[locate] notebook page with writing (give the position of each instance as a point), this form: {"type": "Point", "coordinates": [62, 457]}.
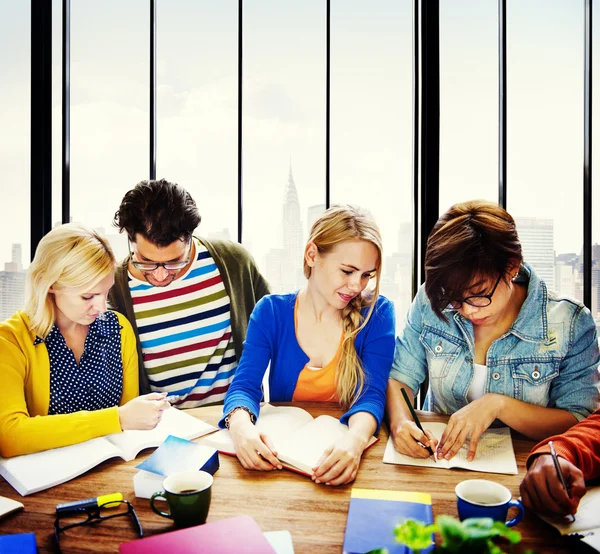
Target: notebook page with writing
{"type": "Point", "coordinates": [495, 453]}
{"type": "Point", "coordinates": [587, 518]}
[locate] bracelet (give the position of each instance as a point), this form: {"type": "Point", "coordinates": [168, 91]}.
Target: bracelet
{"type": "Point", "coordinates": [247, 410]}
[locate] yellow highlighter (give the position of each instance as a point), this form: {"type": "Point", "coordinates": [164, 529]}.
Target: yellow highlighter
{"type": "Point", "coordinates": [105, 501]}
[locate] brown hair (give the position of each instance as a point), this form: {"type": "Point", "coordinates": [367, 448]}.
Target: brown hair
{"type": "Point", "coordinates": [338, 224]}
{"type": "Point", "coordinates": [161, 211]}
{"type": "Point", "coordinates": [472, 240]}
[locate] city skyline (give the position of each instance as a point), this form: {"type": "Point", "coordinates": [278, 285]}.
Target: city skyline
{"type": "Point", "coordinates": [282, 262]}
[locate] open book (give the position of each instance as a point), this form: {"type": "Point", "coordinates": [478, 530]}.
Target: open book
{"type": "Point", "coordinates": [25, 475]}
{"type": "Point", "coordinates": [299, 439]}
{"type": "Point", "coordinates": [587, 522]}
{"type": "Point", "coordinates": [495, 453]}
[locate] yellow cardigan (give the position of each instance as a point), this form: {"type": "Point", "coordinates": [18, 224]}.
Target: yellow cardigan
{"type": "Point", "coordinates": [25, 425]}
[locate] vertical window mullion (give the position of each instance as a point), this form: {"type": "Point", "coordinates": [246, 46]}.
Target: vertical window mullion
{"type": "Point", "coordinates": [587, 158]}
{"type": "Point", "coordinates": [502, 103]}
{"type": "Point", "coordinates": [152, 86]}
{"type": "Point", "coordinates": [41, 120]}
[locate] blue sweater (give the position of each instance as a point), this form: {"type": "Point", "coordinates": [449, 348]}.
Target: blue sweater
{"type": "Point", "coordinates": [271, 338]}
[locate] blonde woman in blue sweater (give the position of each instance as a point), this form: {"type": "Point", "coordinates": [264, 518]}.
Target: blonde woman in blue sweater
{"type": "Point", "coordinates": [331, 341]}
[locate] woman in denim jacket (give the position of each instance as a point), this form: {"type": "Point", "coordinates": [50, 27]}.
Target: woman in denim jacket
{"type": "Point", "coordinates": [491, 338]}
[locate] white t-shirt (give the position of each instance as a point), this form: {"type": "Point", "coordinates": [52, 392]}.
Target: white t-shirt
{"type": "Point", "coordinates": [477, 388]}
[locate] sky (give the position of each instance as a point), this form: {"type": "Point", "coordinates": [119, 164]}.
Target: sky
{"type": "Point", "coordinates": [284, 110]}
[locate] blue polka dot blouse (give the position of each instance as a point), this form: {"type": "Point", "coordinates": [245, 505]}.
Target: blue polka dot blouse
{"type": "Point", "coordinates": [97, 381]}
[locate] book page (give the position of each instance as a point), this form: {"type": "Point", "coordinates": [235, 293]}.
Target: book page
{"type": "Point", "coordinates": [392, 456]}
{"type": "Point", "coordinates": [495, 453]}
{"type": "Point", "coordinates": [8, 506]}
{"type": "Point", "coordinates": [174, 422]}
{"type": "Point", "coordinates": [303, 448]}
{"type": "Point", "coordinates": [276, 421]}
{"type": "Point", "coordinates": [586, 518]}
{"type": "Point", "coordinates": [35, 472]}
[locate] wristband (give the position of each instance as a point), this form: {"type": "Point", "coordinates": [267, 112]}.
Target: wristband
{"type": "Point", "coordinates": [247, 410]}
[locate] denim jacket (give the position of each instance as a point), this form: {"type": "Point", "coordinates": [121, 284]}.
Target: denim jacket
{"type": "Point", "coordinates": [548, 357]}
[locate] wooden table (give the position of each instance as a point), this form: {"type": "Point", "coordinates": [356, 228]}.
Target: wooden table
{"type": "Point", "coordinates": [314, 514]}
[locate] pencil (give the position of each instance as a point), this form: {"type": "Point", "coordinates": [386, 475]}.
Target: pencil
{"type": "Point", "coordinates": [416, 419]}
{"type": "Point", "coordinates": [559, 472]}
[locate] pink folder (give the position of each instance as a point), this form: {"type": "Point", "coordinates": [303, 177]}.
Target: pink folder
{"type": "Point", "coordinates": [234, 535]}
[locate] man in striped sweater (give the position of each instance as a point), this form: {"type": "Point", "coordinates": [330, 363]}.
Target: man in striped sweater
{"type": "Point", "coordinates": [189, 299]}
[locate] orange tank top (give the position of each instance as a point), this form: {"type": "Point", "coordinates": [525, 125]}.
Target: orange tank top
{"type": "Point", "coordinates": [317, 384]}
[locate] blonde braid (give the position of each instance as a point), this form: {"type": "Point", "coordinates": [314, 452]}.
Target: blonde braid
{"type": "Point", "coordinates": [350, 379]}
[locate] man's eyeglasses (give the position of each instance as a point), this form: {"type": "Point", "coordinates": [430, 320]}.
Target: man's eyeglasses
{"type": "Point", "coordinates": [84, 516]}
{"type": "Point", "coordinates": [477, 300]}
{"type": "Point", "coordinates": [151, 266]}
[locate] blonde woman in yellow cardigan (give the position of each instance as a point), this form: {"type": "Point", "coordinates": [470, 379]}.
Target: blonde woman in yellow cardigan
{"type": "Point", "coordinates": [68, 367]}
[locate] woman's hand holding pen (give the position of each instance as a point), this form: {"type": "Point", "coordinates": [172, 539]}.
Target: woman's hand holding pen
{"type": "Point", "coordinates": [411, 441]}
{"type": "Point", "coordinates": [470, 421]}
{"type": "Point", "coordinates": [143, 412]}
{"type": "Point", "coordinates": [253, 448]}
{"type": "Point", "coordinates": [542, 491]}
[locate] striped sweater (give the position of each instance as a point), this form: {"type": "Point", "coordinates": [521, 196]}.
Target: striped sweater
{"type": "Point", "coordinates": [243, 283]}
{"type": "Point", "coordinates": [185, 333]}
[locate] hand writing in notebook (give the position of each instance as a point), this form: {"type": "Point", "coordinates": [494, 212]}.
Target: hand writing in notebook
{"type": "Point", "coordinates": [542, 491]}
{"type": "Point", "coordinates": [254, 449]}
{"type": "Point", "coordinates": [468, 422]}
{"type": "Point", "coordinates": [411, 441]}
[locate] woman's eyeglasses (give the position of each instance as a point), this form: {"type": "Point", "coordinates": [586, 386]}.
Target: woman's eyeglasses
{"type": "Point", "coordinates": [85, 516]}
{"type": "Point", "coordinates": [477, 300]}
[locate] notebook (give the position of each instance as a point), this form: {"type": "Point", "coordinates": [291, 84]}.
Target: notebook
{"type": "Point", "coordinates": [587, 519]}
{"type": "Point", "coordinates": [374, 514]}
{"type": "Point", "coordinates": [495, 453]}
{"type": "Point", "coordinates": [62, 464]}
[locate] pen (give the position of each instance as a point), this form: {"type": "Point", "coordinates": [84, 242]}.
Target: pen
{"type": "Point", "coordinates": [173, 398]}
{"type": "Point", "coordinates": [417, 422]}
{"type": "Point", "coordinates": [78, 505]}
{"type": "Point", "coordinates": [559, 472]}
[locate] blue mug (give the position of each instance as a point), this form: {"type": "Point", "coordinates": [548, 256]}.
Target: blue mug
{"type": "Point", "coordinates": [483, 498]}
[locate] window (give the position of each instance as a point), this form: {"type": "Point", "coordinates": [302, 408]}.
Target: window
{"type": "Point", "coordinates": [15, 104]}
{"type": "Point", "coordinates": [372, 128]}
{"type": "Point", "coordinates": [283, 133]}
{"type": "Point", "coordinates": [197, 84]}
{"type": "Point", "coordinates": [545, 137]}
{"type": "Point", "coordinates": [468, 101]}
{"type": "Point", "coordinates": [109, 108]}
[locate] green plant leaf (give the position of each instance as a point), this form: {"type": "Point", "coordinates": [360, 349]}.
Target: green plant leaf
{"type": "Point", "coordinates": [452, 532]}
{"type": "Point", "coordinates": [415, 534]}
{"type": "Point", "coordinates": [514, 537]}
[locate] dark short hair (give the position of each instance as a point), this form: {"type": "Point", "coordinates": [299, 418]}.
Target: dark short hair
{"type": "Point", "coordinates": [161, 211]}
{"type": "Point", "coordinates": [472, 240]}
